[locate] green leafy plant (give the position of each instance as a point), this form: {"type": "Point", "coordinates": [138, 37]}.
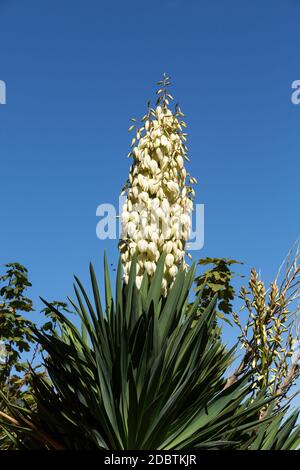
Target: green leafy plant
{"type": "Point", "coordinates": [15, 329]}
{"type": "Point", "coordinates": [217, 280]}
{"type": "Point", "coordinates": [140, 374]}
{"type": "Point", "coordinates": [16, 340]}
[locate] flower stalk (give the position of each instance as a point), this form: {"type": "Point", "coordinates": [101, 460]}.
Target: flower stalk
{"type": "Point", "coordinates": [156, 217]}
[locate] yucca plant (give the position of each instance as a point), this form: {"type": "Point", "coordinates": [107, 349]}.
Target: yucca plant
{"type": "Point", "coordinates": [148, 370]}
{"type": "Point", "coordinates": [139, 374]}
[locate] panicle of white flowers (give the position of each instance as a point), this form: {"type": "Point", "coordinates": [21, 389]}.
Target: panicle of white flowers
{"type": "Point", "coordinates": [156, 217]}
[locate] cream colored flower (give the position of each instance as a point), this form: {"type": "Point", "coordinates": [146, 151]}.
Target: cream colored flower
{"type": "Point", "coordinates": [142, 246]}
{"type": "Point", "coordinates": [169, 260]}
{"type": "Point", "coordinates": [138, 281]}
{"type": "Point", "coordinates": [173, 270]}
{"type": "Point", "coordinates": [168, 247]}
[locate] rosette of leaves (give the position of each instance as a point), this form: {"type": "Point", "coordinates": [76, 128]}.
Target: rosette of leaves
{"type": "Point", "coordinates": [140, 373]}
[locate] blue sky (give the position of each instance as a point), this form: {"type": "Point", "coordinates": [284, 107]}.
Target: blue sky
{"type": "Point", "coordinates": [76, 71]}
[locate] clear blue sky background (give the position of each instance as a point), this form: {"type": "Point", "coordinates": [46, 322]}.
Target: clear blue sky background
{"type": "Point", "coordinates": [76, 71]}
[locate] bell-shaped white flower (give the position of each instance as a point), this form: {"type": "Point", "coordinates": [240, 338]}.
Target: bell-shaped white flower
{"type": "Point", "coordinates": [142, 246]}
{"type": "Point", "coordinates": [169, 260]}
{"type": "Point", "coordinates": [173, 270]}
